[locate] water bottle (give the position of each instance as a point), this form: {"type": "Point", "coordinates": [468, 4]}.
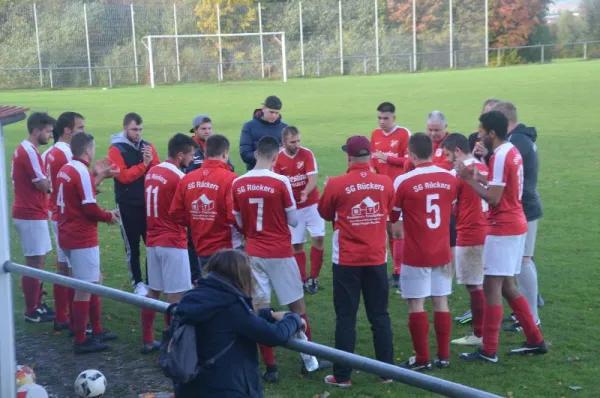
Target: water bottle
{"type": "Point", "coordinates": [310, 362]}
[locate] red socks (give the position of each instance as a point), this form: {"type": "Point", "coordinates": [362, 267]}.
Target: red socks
{"type": "Point", "coordinates": [520, 307]}
{"type": "Point", "coordinates": [477, 309]}
{"type": "Point", "coordinates": [491, 328]}
{"type": "Point", "coordinates": [148, 325]}
{"type": "Point", "coordinates": [307, 331]}
{"type": "Point", "coordinates": [81, 311]}
{"type": "Point", "coordinates": [418, 324]}
{"type": "Point", "coordinates": [267, 354]}
{"type": "Point", "coordinates": [95, 311]}
{"type": "Point", "coordinates": [31, 291]}
{"type": "Point", "coordinates": [71, 296]}
{"type": "Point", "coordinates": [301, 261]}
{"type": "Point", "coordinates": [316, 262]}
{"type": "Point", "coordinates": [61, 303]}
{"type": "Point", "coordinates": [443, 326]}
{"type": "Point", "coordinates": [397, 252]}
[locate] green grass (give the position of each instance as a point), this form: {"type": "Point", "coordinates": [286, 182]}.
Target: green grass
{"type": "Point", "coordinates": [561, 100]}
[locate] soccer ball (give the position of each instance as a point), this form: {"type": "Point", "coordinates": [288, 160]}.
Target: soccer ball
{"type": "Point", "coordinates": [24, 375]}
{"type": "Point", "coordinates": [32, 391]}
{"type": "Point", "coordinates": [90, 383]}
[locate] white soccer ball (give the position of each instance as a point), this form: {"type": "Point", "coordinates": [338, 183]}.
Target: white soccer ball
{"type": "Point", "coordinates": [32, 391]}
{"type": "Point", "coordinates": [90, 383]}
{"type": "Point", "coordinates": [24, 375]}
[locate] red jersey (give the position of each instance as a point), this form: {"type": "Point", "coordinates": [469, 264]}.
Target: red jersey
{"type": "Point", "coordinates": [471, 223]}
{"type": "Point", "coordinates": [54, 159]}
{"type": "Point", "coordinates": [263, 198]}
{"type": "Point", "coordinates": [506, 170]}
{"type": "Point", "coordinates": [358, 203]}
{"type": "Point", "coordinates": [203, 201]}
{"type": "Point", "coordinates": [297, 168]}
{"type": "Point", "coordinates": [78, 213]}
{"type": "Point", "coordinates": [395, 146]}
{"type": "Point", "coordinates": [437, 157]}
{"type": "Point", "coordinates": [27, 168]}
{"type": "Point", "coordinates": [425, 196]}
{"type": "Point", "coordinates": [160, 185]}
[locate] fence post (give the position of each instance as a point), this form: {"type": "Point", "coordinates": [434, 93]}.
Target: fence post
{"type": "Point", "coordinates": [376, 37]}
{"type": "Point", "coordinates": [176, 43]}
{"type": "Point", "coordinates": [414, 32]}
{"type": "Point", "coordinates": [318, 67]}
{"type": "Point", "coordinates": [151, 62]}
{"type": "Point", "coordinates": [51, 78]}
{"type": "Point", "coordinates": [301, 38]}
{"type": "Point", "coordinates": [110, 77]}
{"type": "Point", "coordinates": [165, 72]}
{"type": "Point", "coordinates": [87, 43]}
{"type": "Point", "coordinates": [37, 40]}
{"type": "Point", "coordinates": [487, 37]}
{"type": "Point", "coordinates": [341, 39]}
{"type": "Point", "coordinates": [542, 46]}
{"type": "Point", "coordinates": [451, 32]}
{"type": "Point", "coordinates": [262, 49]}
{"type": "Point", "coordinates": [365, 65]}
{"type": "Point", "coordinates": [283, 58]}
{"type": "Point", "coordinates": [585, 50]}
{"type": "Point", "coordinates": [498, 57]}
{"type": "Point", "coordinates": [135, 59]}
{"type": "Point", "coordinates": [220, 47]}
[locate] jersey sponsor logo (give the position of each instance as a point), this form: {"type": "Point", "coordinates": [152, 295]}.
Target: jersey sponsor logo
{"type": "Point", "coordinates": [299, 180]}
{"type": "Point", "coordinates": [300, 164]}
{"type": "Point", "coordinates": [367, 212]}
{"type": "Point", "coordinates": [394, 143]}
{"type": "Point", "coordinates": [203, 209]}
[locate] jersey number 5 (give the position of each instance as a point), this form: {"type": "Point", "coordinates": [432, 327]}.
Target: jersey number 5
{"type": "Point", "coordinates": [152, 201]}
{"type": "Point", "coordinates": [433, 210]}
{"type": "Point", "coordinates": [259, 214]}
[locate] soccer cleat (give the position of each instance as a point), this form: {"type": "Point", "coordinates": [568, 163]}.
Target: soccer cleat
{"type": "Point", "coordinates": [469, 339]}
{"type": "Point", "coordinates": [479, 355]}
{"type": "Point", "coordinates": [516, 327]}
{"type": "Point", "coordinates": [412, 364]}
{"type": "Point", "coordinates": [383, 380]}
{"type": "Point", "coordinates": [59, 327]}
{"type": "Point", "coordinates": [394, 280]}
{"type": "Point", "coordinates": [309, 286]}
{"type": "Point", "coordinates": [39, 316]}
{"type": "Point", "coordinates": [47, 310]}
{"type": "Point", "coordinates": [148, 348]}
{"type": "Point", "coordinates": [535, 349]}
{"type": "Point", "coordinates": [465, 318]}
{"type": "Point", "coordinates": [140, 289]}
{"type": "Point", "coordinates": [90, 346]}
{"type": "Point", "coordinates": [88, 331]}
{"type": "Point", "coordinates": [540, 301]}
{"type": "Point", "coordinates": [441, 363]}
{"type": "Point", "coordinates": [511, 318]}
{"type": "Point", "coordinates": [271, 375]}
{"type": "Point", "coordinates": [330, 379]}
{"type": "Point", "coordinates": [322, 365]}
{"type": "Point", "coordinates": [105, 335]}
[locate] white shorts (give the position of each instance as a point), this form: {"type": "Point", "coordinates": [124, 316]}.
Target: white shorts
{"type": "Point", "coordinates": [421, 282]}
{"type": "Point", "coordinates": [85, 263]}
{"type": "Point", "coordinates": [34, 237]}
{"type": "Point", "coordinates": [60, 254]}
{"type": "Point", "coordinates": [168, 269]}
{"type": "Point", "coordinates": [281, 274]}
{"type": "Point", "coordinates": [308, 218]}
{"type": "Point", "coordinates": [532, 227]}
{"type": "Point", "coordinates": [469, 264]}
{"type": "Point", "coordinates": [502, 255]}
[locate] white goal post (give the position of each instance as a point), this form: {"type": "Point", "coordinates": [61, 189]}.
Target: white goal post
{"type": "Point", "coordinates": [147, 41]}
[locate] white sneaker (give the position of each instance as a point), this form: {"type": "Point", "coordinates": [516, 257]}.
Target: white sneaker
{"type": "Point", "coordinates": [141, 289]}
{"type": "Point", "coordinates": [469, 339]}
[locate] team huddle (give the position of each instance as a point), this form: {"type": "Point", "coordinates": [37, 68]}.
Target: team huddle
{"type": "Point", "coordinates": [444, 203]}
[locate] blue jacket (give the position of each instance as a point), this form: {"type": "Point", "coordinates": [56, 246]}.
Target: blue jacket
{"type": "Point", "coordinates": [252, 131]}
{"type": "Point", "coordinates": [221, 315]}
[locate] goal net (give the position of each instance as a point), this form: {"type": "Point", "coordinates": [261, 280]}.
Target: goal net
{"type": "Point", "coordinates": [215, 57]}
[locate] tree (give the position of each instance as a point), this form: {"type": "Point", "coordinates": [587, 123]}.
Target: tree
{"type": "Point", "coordinates": [513, 22]}
{"type": "Point", "coordinates": [569, 28]}
{"type": "Point", "coordinates": [591, 15]}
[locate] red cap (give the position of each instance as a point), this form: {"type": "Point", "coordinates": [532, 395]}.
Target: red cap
{"type": "Point", "coordinates": [357, 146]}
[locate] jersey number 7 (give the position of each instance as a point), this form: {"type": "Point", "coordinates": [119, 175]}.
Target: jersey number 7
{"type": "Point", "coordinates": [259, 214]}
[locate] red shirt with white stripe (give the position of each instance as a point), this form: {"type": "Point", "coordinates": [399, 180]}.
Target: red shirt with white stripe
{"type": "Point", "coordinates": [54, 159]}
{"type": "Point", "coordinates": [203, 201]}
{"type": "Point", "coordinates": [358, 203]}
{"type": "Point", "coordinates": [263, 198]}
{"type": "Point", "coordinates": [27, 168]}
{"type": "Point", "coordinates": [471, 210]}
{"type": "Point", "coordinates": [425, 196]}
{"type": "Point", "coordinates": [160, 185]}
{"type": "Point", "coordinates": [438, 157]}
{"type": "Point", "coordinates": [506, 170]}
{"type": "Point", "coordinates": [395, 146]}
{"type": "Point", "coordinates": [78, 212]}
{"type": "Point", "coordinates": [297, 168]}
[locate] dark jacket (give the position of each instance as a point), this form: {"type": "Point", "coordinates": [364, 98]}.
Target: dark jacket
{"type": "Point", "coordinates": [473, 139]}
{"type": "Point", "coordinates": [221, 315]}
{"type": "Point", "coordinates": [523, 138]}
{"type": "Point", "coordinates": [199, 158]}
{"type": "Point", "coordinates": [252, 131]}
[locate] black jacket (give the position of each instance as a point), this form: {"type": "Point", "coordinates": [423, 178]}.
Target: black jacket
{"type": "Point", "coordinates": [221, 315]}
{"type": "Point", "coordinates": [252, 131]}
{"type": "Point", "coordinates": [523, 138]}
{"type": "Point", "coordinates": [199, 159]}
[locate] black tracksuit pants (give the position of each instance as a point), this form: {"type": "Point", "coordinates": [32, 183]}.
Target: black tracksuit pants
{"type": "Point", "coordinates": [133, 229]}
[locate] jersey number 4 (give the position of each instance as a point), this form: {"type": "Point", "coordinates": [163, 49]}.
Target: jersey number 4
{"type": "Point", "coordinates": [60, 200]}
{"type": "Point", "coordinates": [259, 214]}
{"type": "Point", "coordinates": [152, 201]}
{"type": "Point", "coordinates": [433, 211]}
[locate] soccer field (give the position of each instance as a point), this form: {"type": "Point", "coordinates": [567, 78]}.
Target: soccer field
{"type": "Point", "coordinates": [561, 100]}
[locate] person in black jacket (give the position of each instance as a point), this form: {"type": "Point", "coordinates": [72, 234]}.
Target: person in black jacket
{"type": "Point", "coordinates": [220, 308]}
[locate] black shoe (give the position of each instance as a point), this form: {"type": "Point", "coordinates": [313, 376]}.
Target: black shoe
{"type": "Point", "coordinates": [105, 335]}
{"type": "Point", "coordinates": [271, 375]}
{"type": "Point", "coordinates": [322, 366]}
{"type": "Point", "coordinates": [540, 301]}
{"type": "Point", "coordinates": [311, 287]}
{"type": "Point", "coordinates": [479, 355]}
{"type": "Point", "coordinates": [148, 348]}
{"type": "Point", "coordinates": [441, 363]}
{"type": "Point", "coordinates": [88, 331]}
{"type": "Point", "coordinates": [516, 327]}
{"type": "Point", "coordinates": [39, 316]}
{"type": "Point", "coordinates": [535, 349]}
{"type": "Point", "coordinates": [59, 327]}
{"type": "Point", "coordinates": [412, 364]}
{"type": "Point", "coordinates": [46, 310]}
{"type": "Point", "coordinates": [90, 346]}
{"type": "Point", "coordinates": [511, 318]}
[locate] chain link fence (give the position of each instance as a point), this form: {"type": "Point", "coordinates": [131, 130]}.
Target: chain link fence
{"type": "Point", "coordinates": [71, 44]}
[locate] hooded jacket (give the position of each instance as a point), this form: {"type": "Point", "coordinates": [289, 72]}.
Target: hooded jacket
{"type": "Point", "coordinates": [253, 130]}
{"type": "Point", "coordinates": [222, 314]}
{"type": "Point", "coordinates": [523, 138]}
{"type": "Point", "coordinates": [199, 157]}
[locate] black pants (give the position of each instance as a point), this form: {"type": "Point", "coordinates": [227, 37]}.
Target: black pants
{"type": "Point", "coordinates": [133, 227]}
{"type": "Point", "coordinates": [348, 282]}
{"type": "Point", "coordinates": [194, 264]}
